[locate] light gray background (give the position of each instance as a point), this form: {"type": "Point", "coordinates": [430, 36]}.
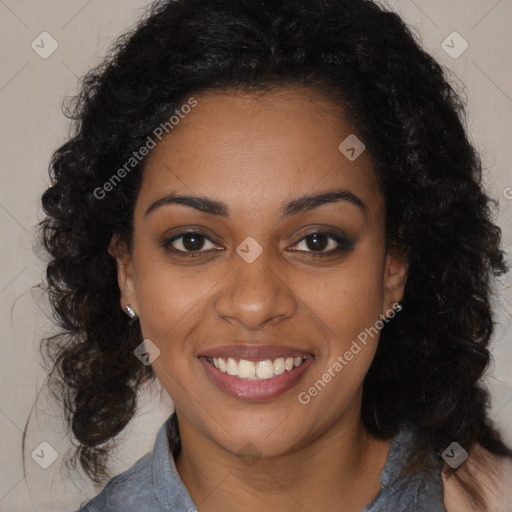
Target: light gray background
{"type": "Point", "coordinates": [32, 127]}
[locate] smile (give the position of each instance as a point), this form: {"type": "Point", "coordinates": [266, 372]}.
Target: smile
{"type": "Point", "coordinates": [255, 373]}
{"type": "Point", "coordinates": [259, 370]}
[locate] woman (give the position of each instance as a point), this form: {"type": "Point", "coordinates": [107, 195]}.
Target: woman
{"type": "Point", "coordinates": [275, 209]}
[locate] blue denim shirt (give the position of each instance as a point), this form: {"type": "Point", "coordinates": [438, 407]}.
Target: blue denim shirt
{"type": "Point", "coordinates": [152, 484]}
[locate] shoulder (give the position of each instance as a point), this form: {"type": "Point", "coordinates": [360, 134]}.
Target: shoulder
{"type": "Point", "coordinates": [494, 476]}
{"type": "Point", "coordinates": [131, 487]}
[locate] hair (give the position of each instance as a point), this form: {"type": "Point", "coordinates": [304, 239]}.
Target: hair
{"type": "Point", "coordinates": [430, 359]}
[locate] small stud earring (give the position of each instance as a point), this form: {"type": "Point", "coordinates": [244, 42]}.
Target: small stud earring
{"type": "Point", "coordinates": [130, 312]}
{"type": "Point", "coordinates": [397, 306]}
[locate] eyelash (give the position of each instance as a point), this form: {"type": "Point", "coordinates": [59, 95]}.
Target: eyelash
{"type": "Point", "coordinates": [343, 244]}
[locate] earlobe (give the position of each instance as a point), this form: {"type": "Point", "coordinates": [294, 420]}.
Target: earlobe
{"type": "Point", "coordinates": [120, 251]}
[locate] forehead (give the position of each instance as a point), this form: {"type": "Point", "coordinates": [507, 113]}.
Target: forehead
{"type": "Point", "coordinates": [257, 150]}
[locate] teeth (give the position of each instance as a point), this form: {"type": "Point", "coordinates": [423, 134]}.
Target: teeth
{"type": "Point", "coordinates": [260, 370]}
{"type": "Point", "coordinates": [279, 366]}
{"type": "Point", "coordinates": [246, 369]}
{"type": "Point", "coordinates": [232, 367]}
{"type": "Point", "coordinates": [223, 367]}
{"type": "Point", "coordinates": [265, 369]}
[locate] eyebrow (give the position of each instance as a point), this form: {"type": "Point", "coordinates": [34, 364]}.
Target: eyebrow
{"type": "Point", "coordinates": [293, 207]}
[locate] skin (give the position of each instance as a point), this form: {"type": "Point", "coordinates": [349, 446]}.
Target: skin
{"type": "Point", "coordinates": [253, 154]}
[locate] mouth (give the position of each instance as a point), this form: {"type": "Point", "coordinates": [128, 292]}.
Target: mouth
{"type": "Point", "coordinates": [255, 373]}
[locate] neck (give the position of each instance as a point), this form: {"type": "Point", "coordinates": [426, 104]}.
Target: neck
{"type": "Point", "coordinates": [341, 466]}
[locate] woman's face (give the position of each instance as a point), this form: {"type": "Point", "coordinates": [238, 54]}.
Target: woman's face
{"type": "Point", "coordinates": [267, 276]}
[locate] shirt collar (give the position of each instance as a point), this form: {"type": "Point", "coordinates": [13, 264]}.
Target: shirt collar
{"type": "Point", "coordinates": [169, 489]}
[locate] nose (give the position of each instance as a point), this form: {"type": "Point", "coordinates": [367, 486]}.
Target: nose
{"type": "Point", "coordinates": [254, 294]}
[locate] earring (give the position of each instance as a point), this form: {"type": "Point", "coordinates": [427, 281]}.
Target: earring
{"type": "Point", "coordinates": [397, 306]}
{"type": "Point", "coordinates": [130, 312]}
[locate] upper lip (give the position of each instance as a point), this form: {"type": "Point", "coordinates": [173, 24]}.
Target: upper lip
{"type": "Point", "coordinates": [253, 352]}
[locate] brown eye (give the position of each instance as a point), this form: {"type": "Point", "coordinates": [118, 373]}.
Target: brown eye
{"type": "Point", "coordinates": [317, 243]}
{"type": "Point", "coordinates": [188, 242]}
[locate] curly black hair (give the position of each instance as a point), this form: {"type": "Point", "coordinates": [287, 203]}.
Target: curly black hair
{"type": "Point", "coordinates": [430, 359]}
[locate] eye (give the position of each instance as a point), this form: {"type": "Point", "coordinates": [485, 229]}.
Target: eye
{"type": "Point", "coordinates": [188, 242]}
{"type": "Point", "coordinates": [319, 241]}
{"type": "Point", "coordinates": [316, 244]}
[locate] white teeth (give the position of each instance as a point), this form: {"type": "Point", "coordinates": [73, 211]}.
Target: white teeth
{"type": "Point", "coordinates": [265, 369]}
{"type": "Point", "coordinates": [260, 370]}
{"type": "Point", "coordinates": [232, 367]}
{"type": "Point", "coordinates": [223, 367]}
{"type": "Point", "coordinates": [246, 369]}
{"type": "Point", "coordinates": [279, 366]}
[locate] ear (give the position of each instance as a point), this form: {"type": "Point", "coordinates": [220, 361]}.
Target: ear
{"type": "Point", "coordinates": [395, 278]}
{"type": "Point", "coordinates": [120, 251]}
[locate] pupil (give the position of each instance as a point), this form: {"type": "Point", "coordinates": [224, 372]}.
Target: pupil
{"type": "Point", "coordinates": [194, 245]}
{"type": "Point", "coordinates": [317, 245]}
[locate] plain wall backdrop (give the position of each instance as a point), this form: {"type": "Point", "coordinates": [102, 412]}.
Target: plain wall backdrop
{"type": "Point", "coordinates": [33, 84]}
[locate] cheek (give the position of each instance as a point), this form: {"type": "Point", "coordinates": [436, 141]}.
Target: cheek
{"type": "Point", "coordinates": [347, 306]}
{"type": "Point", "coordinates": [351, 311]}
{"type": "Point", "coordinates": [166, 294]}
{"type": "Point", "coordinates": [347, 300]}
{"type": "Point", "coordinates": [171, 304]}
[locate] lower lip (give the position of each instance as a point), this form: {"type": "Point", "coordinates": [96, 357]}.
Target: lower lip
{"type": "Point", "coordinates": [255, 390]}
